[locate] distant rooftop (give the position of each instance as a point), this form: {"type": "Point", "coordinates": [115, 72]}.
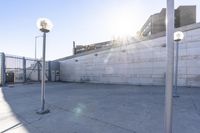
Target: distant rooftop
{"type": "Point", "coordinates": [184, 15]}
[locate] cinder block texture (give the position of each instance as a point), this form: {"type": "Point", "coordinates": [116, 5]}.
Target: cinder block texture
{"type": "Point", "coordinates": [138, 63]}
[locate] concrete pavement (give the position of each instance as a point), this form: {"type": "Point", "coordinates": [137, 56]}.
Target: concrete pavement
{"type": "Point", "coordinates": [96, 108]}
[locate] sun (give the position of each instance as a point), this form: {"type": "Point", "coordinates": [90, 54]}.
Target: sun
{"type": "Point", "coordinates": [123, 24]}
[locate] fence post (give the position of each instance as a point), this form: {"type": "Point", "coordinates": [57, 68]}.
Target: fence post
{"type": "Point", "coordinates": [24, 69]}
{"type": "Point", "coordinates": [3, 71]}
{"type": "Point", "coordinates": [49, 71]}
{"type": "Point", "coordinates": [38, 67]}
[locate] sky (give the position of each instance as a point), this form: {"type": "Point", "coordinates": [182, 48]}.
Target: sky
{"type": "Point", "coordinates": [82, 21]}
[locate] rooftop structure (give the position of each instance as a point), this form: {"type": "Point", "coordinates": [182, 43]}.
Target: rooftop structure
{"type": "Point", "coordinates": [83, 48]}
{"type": "Point", "coordinates": [184, 15]}
{"type": "Point", "coordinates": [77, 49]}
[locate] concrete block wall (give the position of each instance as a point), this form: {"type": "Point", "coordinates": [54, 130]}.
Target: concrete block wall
{"type": "Point", "coordinates": [138, 63]}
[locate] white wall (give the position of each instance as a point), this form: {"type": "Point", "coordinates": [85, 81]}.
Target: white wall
{"type": "Point", "coordinates": [141, 63]}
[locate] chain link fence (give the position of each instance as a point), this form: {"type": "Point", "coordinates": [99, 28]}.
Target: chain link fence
{"type": "Point", "coordinates": [16, 69]}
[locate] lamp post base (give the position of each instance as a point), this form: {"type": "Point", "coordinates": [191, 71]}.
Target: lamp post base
{"type": "Point", "coordinates": [42, 112]}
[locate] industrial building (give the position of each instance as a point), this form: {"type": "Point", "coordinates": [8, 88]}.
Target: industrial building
{"type": "Point", "coordinates": [83, 48]}
{"type": "Point", "coordinates": [184, 15]}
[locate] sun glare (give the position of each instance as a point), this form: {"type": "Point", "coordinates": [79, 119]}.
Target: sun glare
{"type": "Point", "coordinates": [123, 25]}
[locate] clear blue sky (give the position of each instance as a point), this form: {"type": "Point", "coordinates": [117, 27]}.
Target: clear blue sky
{"type": "Point", "coordinates": [83, 21]}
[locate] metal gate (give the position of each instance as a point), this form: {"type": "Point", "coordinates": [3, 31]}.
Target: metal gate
{"type": "Point", "coordinates": [16, 69]}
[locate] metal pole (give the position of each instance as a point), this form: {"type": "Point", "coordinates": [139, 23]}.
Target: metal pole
{"type": "Point", "coordinates": [35, 47]}
{"type": "Point", "coordinates": [170, 66]}
{"type": "Point", "coordinates": [43, 110]}
{"type": "Point", "coordinates": [3, 69]}
{"type": "Point", "coordinates": [24, 69]}
{"type": "Point", "coordinates": [176, 71]}
{"type": "Point", "coordinates": [43, 72]}
{"type": "Point", "coordinates": [38, 68]}
{"type": "Point", "coordinates": [74, 48]}
{"type": "Point", "coordinates": [1, 77]}
{"type": "Point", "coordinates": [49, 71]}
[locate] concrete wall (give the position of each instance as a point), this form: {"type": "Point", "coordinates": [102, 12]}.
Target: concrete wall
{"type": "Point", "coordinates": [185, 15]}
{"type": "Point", "coordinates": [138, 63]}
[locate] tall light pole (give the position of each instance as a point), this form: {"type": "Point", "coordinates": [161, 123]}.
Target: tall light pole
{"type": "Point", "coordinates": [170, 66]}
{"type": "Point", "coordinates": [44, 25]}
{"type": "Point", "coordinates": [178, 36]}
{"type": "Point", "coordinates": [36, 37]}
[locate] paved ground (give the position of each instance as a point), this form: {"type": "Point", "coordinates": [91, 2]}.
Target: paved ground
{"type": "Point", "coordinates": [96, 108]}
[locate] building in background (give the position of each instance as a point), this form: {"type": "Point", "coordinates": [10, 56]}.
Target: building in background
{"type": "Point", "coordinates": [184, 15]}
{"type": "Point", "coordinates": [83, 48]}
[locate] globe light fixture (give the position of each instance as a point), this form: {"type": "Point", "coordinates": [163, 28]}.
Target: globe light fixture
{"type": "Point", "coordinates": [178, 36]}
{"type": "Point", "coordinates": [45, 26]}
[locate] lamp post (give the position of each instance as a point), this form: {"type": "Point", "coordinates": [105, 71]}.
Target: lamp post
{"type": "Point", "coordinates": [170, 66]}
{"type": "Point", "coordinates": [44, 25]}
{"type": "Point", "coordinates": [36, 37]}
{"type": "Point", "coordinates": [178, 36]}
